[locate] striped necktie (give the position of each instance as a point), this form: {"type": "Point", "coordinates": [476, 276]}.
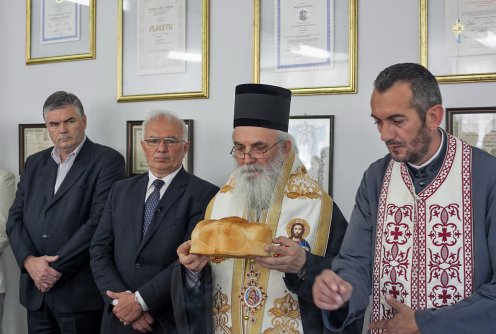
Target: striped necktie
{"type": "Point", "coordinates": [151, 204]}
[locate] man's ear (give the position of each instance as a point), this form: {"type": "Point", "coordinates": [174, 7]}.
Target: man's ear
{"type": "Point", "coordinates": [434, 116]}
{"type": "Point", "coordinates": [287, 146]}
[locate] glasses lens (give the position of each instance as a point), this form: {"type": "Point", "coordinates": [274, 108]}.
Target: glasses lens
{"type": "Point", "coordinates": [153, 141]}
{"type": "Point", "coordinates": [170, 142]}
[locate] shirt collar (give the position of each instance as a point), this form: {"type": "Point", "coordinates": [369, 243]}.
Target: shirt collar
{"type": "Point", "coordinates": [167, 179]}
{"type": "Point", "coordinates": [73, 154]}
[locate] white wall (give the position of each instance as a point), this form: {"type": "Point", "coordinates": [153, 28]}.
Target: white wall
{"type": "Point", "coordinates": [388, 33]}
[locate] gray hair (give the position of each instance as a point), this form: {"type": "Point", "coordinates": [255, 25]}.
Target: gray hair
{"type": "Point", "coordinates": [285, 136]}
{"type": "Point", "coordinates": [62, 99]}
{"type": "Point", "coordinates": [168, 116]}
{"type": "Point", "coordinates": [282, 137]}
{"type": "Point", "coordinates": [424, 86]}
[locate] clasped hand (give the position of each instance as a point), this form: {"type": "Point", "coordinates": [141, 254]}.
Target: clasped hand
{"type": "Point", "coordinates": [41, 273]}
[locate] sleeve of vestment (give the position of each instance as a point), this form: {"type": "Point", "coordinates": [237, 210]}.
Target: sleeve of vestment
{"type": "Point", "coordinates": [353, 263]}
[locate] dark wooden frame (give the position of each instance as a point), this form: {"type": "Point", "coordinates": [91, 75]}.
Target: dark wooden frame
{"type": "Point", "coordinates": [23, 128]}
{"type": "Point", "coordinates": [451, 113]}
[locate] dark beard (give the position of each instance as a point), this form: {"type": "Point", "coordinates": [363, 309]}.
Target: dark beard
{"type": "Point", "coordinates": [424, 140]}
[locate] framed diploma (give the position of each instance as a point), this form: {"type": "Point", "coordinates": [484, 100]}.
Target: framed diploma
{"type": "Point", "coordinates": [33, 138]}
{"type": "Point", "coordinates": [477, 126]}
{"type": "Point", "coordinates": [162, 50]}
{"type": "Point", "coordinates": [60, 30]}
{"type": "Point", "coordinates": [314, 137]}
{"type": "Point", "coordinates": [458, 39]}
{"type": "Point", "coordinates": [308, 46]}
{"type": "Point", "coordinates": [135, 156]}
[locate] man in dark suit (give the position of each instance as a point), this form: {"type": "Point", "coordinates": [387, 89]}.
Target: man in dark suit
{"type": "Point", "coordinates": [134, 247]}
{"type": "Point", "coordinates": [58, 204]}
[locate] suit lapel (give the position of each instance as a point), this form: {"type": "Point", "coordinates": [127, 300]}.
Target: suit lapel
{"type": "Point", "coordinates": [171, 196]}
{"type": "Point", "coordinates": [48, 176]}
{"type": "Point", "coordinates": [137, 215]}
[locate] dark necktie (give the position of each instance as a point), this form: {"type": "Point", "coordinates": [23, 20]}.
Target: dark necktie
{"type": "Point", "coordinates": [151, 204]}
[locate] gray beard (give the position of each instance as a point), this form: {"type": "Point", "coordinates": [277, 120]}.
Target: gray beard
{"type": "Point", "coordinates": [255, 184]}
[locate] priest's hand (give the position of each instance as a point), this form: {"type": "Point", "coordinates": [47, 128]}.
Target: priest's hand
{"type": "Point", "coordinates": [330, 291]}
{"type": "Point", "coordinates": [402, 322]}
{"type": "Point", "coordinates": [193, 262]}
{"type": "Point", "coordinates": [126, 309]}
{"type": "Point", "coordinates": [144, 323]}
{"type": "Point", "coordinates": [288, 256]}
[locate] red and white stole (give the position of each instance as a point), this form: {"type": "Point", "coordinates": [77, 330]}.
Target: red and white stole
{"type": "Point", "coordinates": [423, 253]}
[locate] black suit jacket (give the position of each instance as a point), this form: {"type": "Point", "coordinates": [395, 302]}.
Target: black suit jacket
{"type": "Point", "coordinates": [122, 260]}
{"type": "Point", "coordinates": [41, 223]}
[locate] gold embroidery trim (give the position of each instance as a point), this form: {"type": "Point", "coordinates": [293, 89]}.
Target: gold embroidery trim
{"type": "Point", "coordinates": [285, 315]}
{"type": "Point", "coordinates": [220, 312]}
{"type": "Point", "coordinates": [301, 185]}
{"type": "Point", "coordinates": [324, 227]}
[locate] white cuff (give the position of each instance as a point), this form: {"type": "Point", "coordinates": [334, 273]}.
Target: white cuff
{"type": "Point", "coordinates": [140, 301]}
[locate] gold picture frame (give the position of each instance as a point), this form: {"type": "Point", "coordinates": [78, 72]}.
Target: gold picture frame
{"type": "Point", "coordinates": [450, 46]}
{"type": "Point", "coordinates": [135, 157]}
{"type": "Point", "coordinates": [58, 30]}
{"type": "Point", "coordinates": [157, 65]}
{"type": "Point", "coordinates": [33, 138]}
{"type": "Point", "coordinates": [477, 126]}
{"type": "Point", "coordinates": [329, 67]}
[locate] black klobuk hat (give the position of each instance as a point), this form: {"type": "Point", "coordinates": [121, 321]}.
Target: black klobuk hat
{"type": "Point", "coordinates": [263, 106]}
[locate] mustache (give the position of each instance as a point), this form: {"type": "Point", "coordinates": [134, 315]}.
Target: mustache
{"type": "Point", "coordinates": [394, 143]}
{"type": "Point", "coordinates": [251, 168]}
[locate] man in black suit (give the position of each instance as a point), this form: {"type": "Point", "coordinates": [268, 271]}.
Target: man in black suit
{"type": "Point", "coordinates": [134, 247]}
{"type": "Point", "coordinates": [58, 204]}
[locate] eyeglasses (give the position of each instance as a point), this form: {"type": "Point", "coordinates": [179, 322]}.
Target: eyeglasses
{"type": "Point", "coordinates": [168, 142]}
{"type": "Point", "coordinates": [255, 153]}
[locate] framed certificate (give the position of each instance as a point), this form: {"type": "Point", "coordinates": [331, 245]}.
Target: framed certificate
{"type": "Point", "coordinates": [457, 39]}
{"type": "Point", "coordinates": [477, 126]}
{"type": "Point", "coordinates": [60, 30]}
{"type": "Point", "coordinates": [308, 46]}
{"type": "Point", "coordinates": [135, 156]}
{"type": "Point", "coordinates": [33, 138]}
{"type": "Point", "coordinates": [162, 50]}
{"type": "Point", "coordinates": [314, 137]}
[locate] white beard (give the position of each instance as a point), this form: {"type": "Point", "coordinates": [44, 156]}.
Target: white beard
{"type": "Point", "coordinates": [255, 184]}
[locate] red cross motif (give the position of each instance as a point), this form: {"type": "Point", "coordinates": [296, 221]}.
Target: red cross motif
{"type": "Point", "coordinates": [395, 293]}
{"type": "Point", "coordinates": [444, 234]}
{"type": "Point", "coordinates": [396, 233]}
{"type": "Point", "coordinates": [444, 296]}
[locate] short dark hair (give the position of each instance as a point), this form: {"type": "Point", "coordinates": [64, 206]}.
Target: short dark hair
{"type": "Point", "coordinates": [61, 99]}
{"type": "Point", "coordinates": [424, 86]}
